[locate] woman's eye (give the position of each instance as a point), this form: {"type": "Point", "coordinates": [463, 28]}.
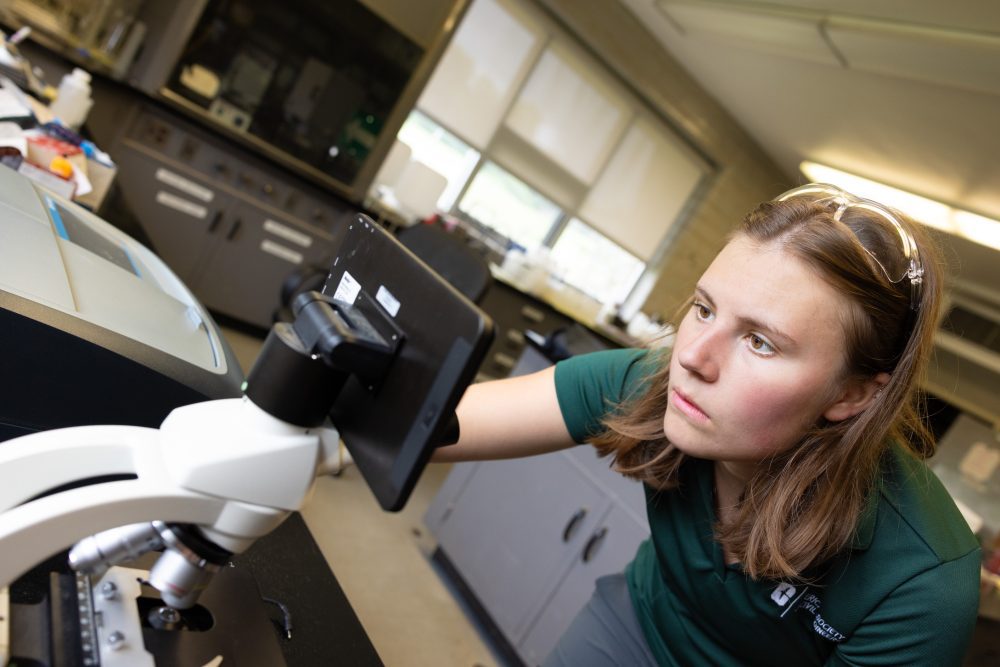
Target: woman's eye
{"type": "Point", "coordinates": [759, 345]}
{"type": "Point", "coordinates": [702, 311]}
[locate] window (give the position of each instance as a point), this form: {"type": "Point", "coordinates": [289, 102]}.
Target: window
{"type": "Point", "coordinates": [597, 266]}
{"type": "Point", "coordinates": [643, 188]}
{"type": "Point", "coordinates": [531, 131]}
{"type": "Point", "coordinates": [481, 70]}
{"type": "Point", "coordinates": [442, 151]}
{"type": "Point", "coordinates": [569, 112]}
{"type": "Point", "coordinates": [499, 200]}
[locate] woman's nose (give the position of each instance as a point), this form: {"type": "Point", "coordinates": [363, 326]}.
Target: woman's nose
{"type": "Point", "coordinates": [699, 356]}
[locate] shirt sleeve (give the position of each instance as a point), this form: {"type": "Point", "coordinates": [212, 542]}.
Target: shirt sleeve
{"type": "Point", "coordinates": [589, 386]}
{"type": "Point", "coordinates": [928, 620]}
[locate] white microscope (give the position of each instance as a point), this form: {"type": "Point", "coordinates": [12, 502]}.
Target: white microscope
{"type": "Point", "coordinates": [379, 360]}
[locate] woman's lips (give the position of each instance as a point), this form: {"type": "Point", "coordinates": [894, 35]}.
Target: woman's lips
{"type": "Point", "coordinates": [687, 406]}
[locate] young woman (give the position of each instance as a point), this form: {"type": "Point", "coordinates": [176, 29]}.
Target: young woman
{"type": "Point", "coordinates": [792, 520]}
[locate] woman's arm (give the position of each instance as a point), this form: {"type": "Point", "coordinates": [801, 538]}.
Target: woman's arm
{"type": "Point", "coordinates": [507, 419]}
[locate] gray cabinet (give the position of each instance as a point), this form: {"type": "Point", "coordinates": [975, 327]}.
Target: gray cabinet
{"type": "Point", "coordinates": [182, 227]}
{"type": "Point", "coordinates": [230, 226]}
{"type": "Point", "coordinates": [255, 251]}
{"type": "Point", "coordinates": [530, 536]}
{"type": "Point", "coordinates": [507, 551]}
{"type": "Point", "coordinates": [609, 546]}
{"type": "Point", "coordinates": [515, 313]}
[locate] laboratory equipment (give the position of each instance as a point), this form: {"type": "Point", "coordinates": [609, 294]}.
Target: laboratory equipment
{"type": "Point", "coordinates": [385, 351]}
{"type": "Point", "coordinates": [95, 328]}
{"type": "Point", "coordinates": [73, 100]}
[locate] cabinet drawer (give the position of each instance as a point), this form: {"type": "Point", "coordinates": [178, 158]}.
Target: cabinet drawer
{"type": "Point", "coordinates": [627, 492]}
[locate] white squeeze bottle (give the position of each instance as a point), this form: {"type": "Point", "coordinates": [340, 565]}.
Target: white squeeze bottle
{"type": "Point", "coordinates": [73, 100]}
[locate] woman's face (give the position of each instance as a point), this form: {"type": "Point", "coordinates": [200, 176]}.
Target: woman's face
{"type": "Point", "coordinates": [758, 358]}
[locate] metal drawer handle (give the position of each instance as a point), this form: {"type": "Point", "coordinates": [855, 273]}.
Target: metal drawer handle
{"type": "Point", "coordinates": [594, 543]}
{"type": "Point", "coordinates": [532, 314]}
{"type": "Point", "coordinates": [573, 524]}
{"type": "Point", "coordinates": [515, 337]}
{"type": "Point", "coordinates": [504, 361]}
{"type": "Point", "coordinates": [235, 228]}
{"type": "Point", "coordinates": [216, 219]}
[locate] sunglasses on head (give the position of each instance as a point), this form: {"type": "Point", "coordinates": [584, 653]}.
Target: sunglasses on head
{"type": "Point", "coordinates": [823, 193]}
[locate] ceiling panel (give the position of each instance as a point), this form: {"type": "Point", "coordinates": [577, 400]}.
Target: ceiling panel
{"type": "Point", "coordinates": [934, 139]}
{"type": "Point", "coordinates": [980, 15]}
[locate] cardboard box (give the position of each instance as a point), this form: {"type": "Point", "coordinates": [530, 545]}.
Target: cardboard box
{"type": "Point", "coordinates": [101, 177]}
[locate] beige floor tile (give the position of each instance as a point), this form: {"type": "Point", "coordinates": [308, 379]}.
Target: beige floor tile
{"type": "Point", "coordinates": [381, 562]}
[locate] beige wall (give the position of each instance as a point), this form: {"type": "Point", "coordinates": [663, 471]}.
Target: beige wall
{"type": "Point", "coordinates": [745, 174]}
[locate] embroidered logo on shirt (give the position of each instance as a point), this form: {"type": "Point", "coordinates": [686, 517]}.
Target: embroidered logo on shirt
{"type": "Point", "coordinates": [812, 603]}
{"type": "Point", "coordinates": [782, 593]}
{"type": "Point", "coordinates": [825, 630]}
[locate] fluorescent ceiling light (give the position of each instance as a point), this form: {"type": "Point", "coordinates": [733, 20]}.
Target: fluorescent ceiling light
{"type": "Point", "coordinates": [976, 228]}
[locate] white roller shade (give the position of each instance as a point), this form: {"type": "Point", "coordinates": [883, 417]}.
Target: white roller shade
{"type": "Point", "coordinates": [644, 187]}
{"type": "Point", "coordinates": [481, 70]}
{"type": "Point", "coordinates": [570, 112]}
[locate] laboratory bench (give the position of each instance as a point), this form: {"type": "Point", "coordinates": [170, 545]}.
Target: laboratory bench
{"type": "Point", "coordinates": [518, 314]}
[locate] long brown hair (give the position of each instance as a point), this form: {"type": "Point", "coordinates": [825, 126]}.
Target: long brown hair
{"type": "Point", "coordinates": [802, 505]}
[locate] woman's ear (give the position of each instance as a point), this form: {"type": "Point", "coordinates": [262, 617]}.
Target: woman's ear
{"type": "Point", "coordinates": [855, 397]}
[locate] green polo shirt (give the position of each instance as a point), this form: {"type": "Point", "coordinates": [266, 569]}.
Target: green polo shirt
{"type": "Point", "coordinates": [906, 592]}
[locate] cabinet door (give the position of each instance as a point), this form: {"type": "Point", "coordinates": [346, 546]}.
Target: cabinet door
{"type": "Point", "coordinates": [607, 549]}
{"type": "Point", "coordinates": [515, 528]}
{"type": "Point", "coordinates": [257, 252]}
{"type": "Point", "coordinates": [179, 211]}
{"type": "Point", "coordinates": [448, 496]}
{"type": "Point", "coordinates": [514, 312]}
{"type": "Point", "coordinates": [626, 492]}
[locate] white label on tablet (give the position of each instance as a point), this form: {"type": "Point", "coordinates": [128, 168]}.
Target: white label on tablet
{"type": "Point", "coordinates": [181, 204]}
{"type": "Point", "coordinates": [184, 185]}
{"type": "Point", "coordinates": [347, 290]}
{"type": "Point", "coordinates": [388, 301]}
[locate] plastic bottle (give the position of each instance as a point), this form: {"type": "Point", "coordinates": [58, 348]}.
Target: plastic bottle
{"type": "Point", "coordinates": [73, 100]}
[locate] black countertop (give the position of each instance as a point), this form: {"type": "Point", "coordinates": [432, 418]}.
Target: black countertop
{"type": "Point", "coordinates": [289, 566]}
{"type": "Point", "coordinates": [286, 565]}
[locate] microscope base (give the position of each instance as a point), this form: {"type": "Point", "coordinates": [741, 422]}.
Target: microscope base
{"type": "Point", "coordinates": [230, 622]}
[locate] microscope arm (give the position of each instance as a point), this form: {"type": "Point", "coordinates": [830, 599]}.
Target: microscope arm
{"type": "Point", "coordinates": [234, 468]}
{"type": "Point", "coordinates": [38, 463]}
{"type": "Point", "coordinates": [225, 465]}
